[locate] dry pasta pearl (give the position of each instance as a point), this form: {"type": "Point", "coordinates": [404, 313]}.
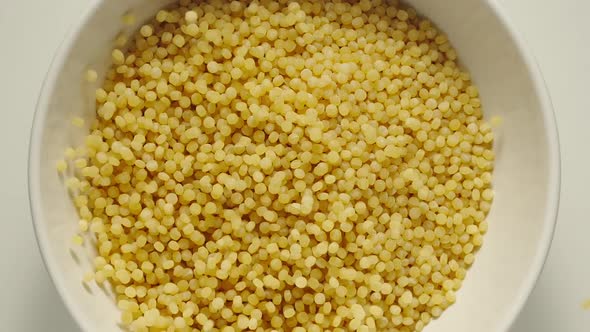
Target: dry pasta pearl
{"type": "Point", "coordinates": [91, 75]}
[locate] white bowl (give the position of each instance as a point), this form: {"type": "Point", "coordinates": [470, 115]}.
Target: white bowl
{"type": "Point", "coordinates": [526, 178]}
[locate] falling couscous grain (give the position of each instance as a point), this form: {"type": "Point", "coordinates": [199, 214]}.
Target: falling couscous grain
{"type": "Point", "coordinates": [78, 122]}
{"type": "Point", "coordinates": [128, 18]}
{"type": "Point", "coordinates": [91, 75]}
{"type": "Point", "coordinates": [284, 165]}
{"type": "Point", "coordinates": [61, 166]}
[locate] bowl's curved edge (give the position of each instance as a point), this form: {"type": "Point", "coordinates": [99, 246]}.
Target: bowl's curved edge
{"type": "Point", "coordinates": [34, 165]}
{"type": "Point", "coordinates": [554, 179]}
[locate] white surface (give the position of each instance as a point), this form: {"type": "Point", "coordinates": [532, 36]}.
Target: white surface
{"type": "Point", "coordinates": [31, 31]}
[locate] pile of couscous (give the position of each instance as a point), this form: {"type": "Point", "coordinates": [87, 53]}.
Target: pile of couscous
{"type": "Point", "coordinates": [284, 165]}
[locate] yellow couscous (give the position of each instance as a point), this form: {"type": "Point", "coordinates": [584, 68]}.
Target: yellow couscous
{"type": "Point", "coordinates": [288, 165]}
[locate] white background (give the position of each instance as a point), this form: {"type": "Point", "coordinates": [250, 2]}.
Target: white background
{"type": "Point", "coordinates": [558, 32]}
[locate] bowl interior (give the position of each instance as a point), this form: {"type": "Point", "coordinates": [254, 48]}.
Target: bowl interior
{"type": "Point", "coordinates": [525, 178]}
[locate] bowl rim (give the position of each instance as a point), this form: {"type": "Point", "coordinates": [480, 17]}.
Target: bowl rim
{"type": "Point", "coordinates": [554, 169]}
{"type": "Point", "coordinates": [41, 109]}
{"type": "Point", "coordinates": [531, 66]}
